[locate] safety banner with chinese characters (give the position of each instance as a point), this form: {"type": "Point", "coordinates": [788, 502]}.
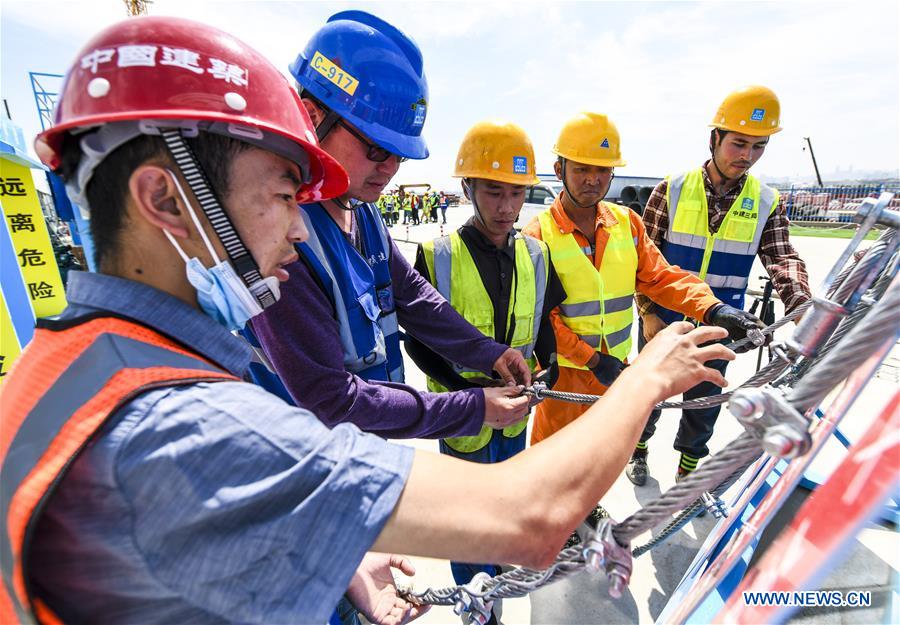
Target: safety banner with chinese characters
{"type": "Point", "coordinates": [30, 239]}
{"type": "Point", "coordinates": [16, 315]}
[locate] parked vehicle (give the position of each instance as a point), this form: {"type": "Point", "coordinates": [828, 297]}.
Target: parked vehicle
{"type": "Point", "coordinates": [538, 199]}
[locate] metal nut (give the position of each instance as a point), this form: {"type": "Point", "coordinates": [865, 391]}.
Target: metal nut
{"type": "Point", "coordinates": [741, 406]}
{"type": "Point", "coordinates": [778, 445]}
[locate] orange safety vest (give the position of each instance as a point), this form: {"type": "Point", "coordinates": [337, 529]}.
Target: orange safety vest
{"type": "Point", "coordinates": [69, 380]}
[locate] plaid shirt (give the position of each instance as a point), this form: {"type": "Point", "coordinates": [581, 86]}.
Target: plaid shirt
{"type": "Point", "coordinates": [778, 256]}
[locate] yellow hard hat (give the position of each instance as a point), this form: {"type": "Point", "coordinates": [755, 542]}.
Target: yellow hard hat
{"type": "Point", "coordinates": [496, 150]}
{"type": "Point", "coordinates": [752, 110]}
{"type": "Point", "coordinates": [592, 139]}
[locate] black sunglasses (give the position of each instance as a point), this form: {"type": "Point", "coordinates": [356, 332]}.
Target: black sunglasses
{"type": "Point", "coordinates": [375, 153]}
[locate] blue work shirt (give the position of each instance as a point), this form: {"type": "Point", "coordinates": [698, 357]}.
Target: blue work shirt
{"type": "Point", "coordinates": [215, 502]}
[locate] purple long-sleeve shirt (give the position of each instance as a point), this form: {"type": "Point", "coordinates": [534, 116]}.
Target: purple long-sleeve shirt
{"type": "Point", "coordinates": [301, 337]}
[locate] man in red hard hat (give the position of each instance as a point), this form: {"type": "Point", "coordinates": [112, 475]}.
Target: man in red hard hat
{"type": "Point", "coordinates": [142, 479]}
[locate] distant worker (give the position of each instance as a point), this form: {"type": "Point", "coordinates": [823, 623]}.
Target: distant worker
{"type": "Point", "coordinates": [396, 210]}
{"type": "Point", "coordinates": [381, 205]}
{"type": "Point", "coordinates": [433, 206]}
{"type": "Point", "coordinates": [407, 208]}
{"type": "Point", "coordinates": [445, 204]}
{"type": "Point", "coordinates": [334, 337]}
{"type": "Point", "coordinates": [416, 203]}
{"type": "Point", "coordinates": [603, 256]}
{"type": "Point", "coordinates": [500, 281]}
{"type": "Point", "coordinates": [388, 212]}
{"type": "Point", "coordinates": [712, 221]}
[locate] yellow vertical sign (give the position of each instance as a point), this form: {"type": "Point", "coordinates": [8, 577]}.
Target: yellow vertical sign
{"type": "Point", "coordinates": [30, 239]}
{"type": "Point", "coordinates": [9, 342]}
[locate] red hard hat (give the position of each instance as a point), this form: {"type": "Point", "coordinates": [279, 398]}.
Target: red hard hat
{"type": "Point", "coordinates": [167, 69]}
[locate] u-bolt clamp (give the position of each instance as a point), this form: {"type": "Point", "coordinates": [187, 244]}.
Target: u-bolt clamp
{"type": "Point", "coordinates": [765, 413]}
{"type": "Point", "coordinates": [756, 337]}
{"type": "Point", "coordinates": [471, 608]}
{"type": "Point", "coordinates": [714, 505]}
{"type": "Point", "coordinates": [603, 553]}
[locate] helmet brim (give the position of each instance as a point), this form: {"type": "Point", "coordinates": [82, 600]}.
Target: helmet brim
{"type": "Point", "coordinates": [328, 177]}
{"type": "Point", "coordinates": [598, 162]}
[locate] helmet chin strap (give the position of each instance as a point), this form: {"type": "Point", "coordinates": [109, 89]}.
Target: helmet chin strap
{"type": "Point", "coordinates": [568, 192]}
{"type": "Point", "coordinates": [337, 202]}
{"type": "Point", "coordinates": [470, 191]}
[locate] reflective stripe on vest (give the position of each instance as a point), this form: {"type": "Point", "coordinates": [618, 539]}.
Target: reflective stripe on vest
{"type": "Point", "coordinates": [360, 290]}
{"type": "Point", "coordinates": [455, 275]}
{"type": "Point", "coordinates": [723, 260]}
{"type": "Point", "coordinates": [69, 380]}
{"type": "Point", "coordinates": [598, 304]}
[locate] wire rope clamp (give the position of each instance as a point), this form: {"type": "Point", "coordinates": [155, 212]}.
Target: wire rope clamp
{"type": "Point", "coordinates": [766, 414]}
{"type": "Point", "coordinates": [536, 390]}
{"type": "Point", "coordinates": [882, 214]}
{"type": "Point", "coordinates": [471, 607]}
{"type": "Point", "coordinates": [756, 337]}
{"type": "Point", "coordinates": [603, 553]}
{"type": "Point", "coordinates": [714, 505]}
{"type": "Point", "coordinates": [819, 323]}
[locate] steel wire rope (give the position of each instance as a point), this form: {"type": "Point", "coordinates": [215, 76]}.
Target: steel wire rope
{"type": "Point", "coordinates": [842, 286]}
{"type": "Point", "coordinates": [848, 350]}
{"type": "Point", "coordinates": [873, 295]}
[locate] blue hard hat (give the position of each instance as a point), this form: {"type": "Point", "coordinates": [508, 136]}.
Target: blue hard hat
{"type": "Point", "coordinates": [370, 74]}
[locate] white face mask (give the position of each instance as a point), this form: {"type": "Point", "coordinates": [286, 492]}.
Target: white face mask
{"type": "Point", "coordinates": [221, 293]}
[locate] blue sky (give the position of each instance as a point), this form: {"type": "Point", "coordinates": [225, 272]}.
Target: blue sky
{"type": "Point", "coordinates": [658, 69]}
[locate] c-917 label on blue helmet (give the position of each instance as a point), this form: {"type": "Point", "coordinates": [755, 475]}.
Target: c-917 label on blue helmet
{"type": "Point", "coordinates": [758, 115]}
{"type": "Point", "coordinates": [344, 81]}
{"type": "Point", "coordinates": [420, 114]}
{"type": "Point", "coordinates": [520, 164]}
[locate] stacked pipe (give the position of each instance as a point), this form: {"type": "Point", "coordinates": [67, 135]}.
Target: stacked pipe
{"type": "Point", "coordinates": [635, 197]}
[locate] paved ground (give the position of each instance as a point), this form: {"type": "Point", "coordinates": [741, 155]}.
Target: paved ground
{"type": "Point", "coordinates": [583, 599]}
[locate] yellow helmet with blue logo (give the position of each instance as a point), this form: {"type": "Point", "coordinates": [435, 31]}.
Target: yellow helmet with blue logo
{"type": "Point", "coordinates": [496, 150]}
{"type": "Point", "coordinates": [752, 110]}
{"type": "Point", "coordinates": [591, 139]}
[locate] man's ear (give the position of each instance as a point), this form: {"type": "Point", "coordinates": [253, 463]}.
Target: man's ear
{"type": "Point", "coordinates": [157, 200]}
{"type": "Point", "coordinates": [557, 169]}
{"type": "Point", "coordinates": [315, 113]}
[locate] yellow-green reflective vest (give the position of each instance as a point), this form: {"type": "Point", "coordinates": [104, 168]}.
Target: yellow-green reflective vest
{"type": "Point", "coordinates": [724, 259]}
{"type": "Point", "coordinates": [455, 275]}
{"type": "Point", "coordinates": [598, 303]}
